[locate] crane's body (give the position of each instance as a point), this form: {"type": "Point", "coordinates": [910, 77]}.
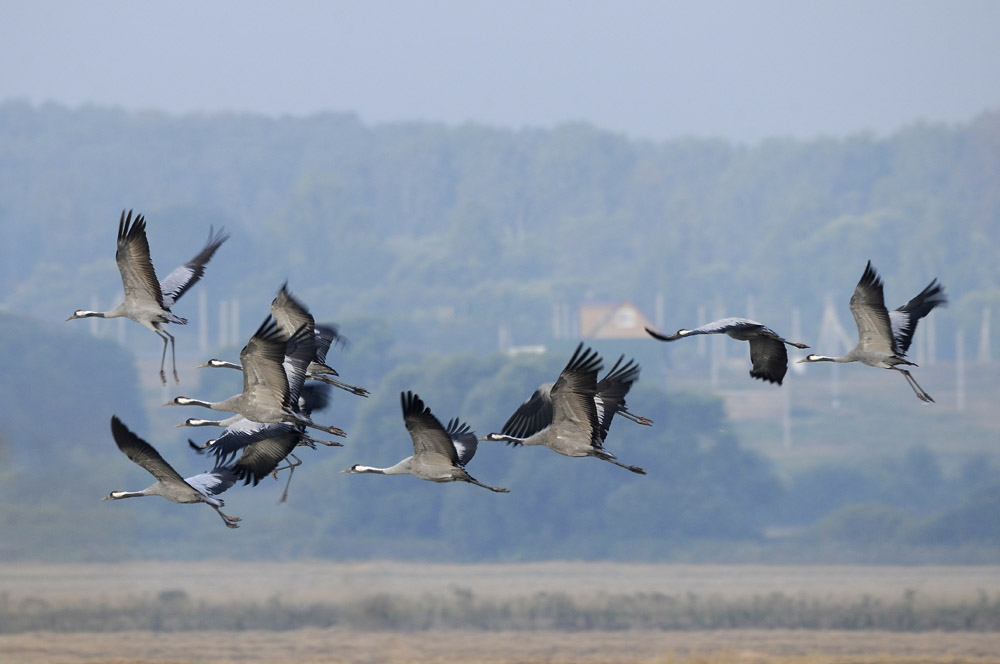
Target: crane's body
{"type": "Point", "coordinates": [273, 372]}
{"type": "Point", "coordinates": [201, 488]}
{"type": "Point", "coordinates": [768, 356]}
{"type": "Point", "coordinates": [436, 456]}
{"type": "Point", "coordinates": [884, 336]}
{"type": "Point", "coordinates": [264, 446]}
{"type": "Point", "coordinates": [291, 315]}
{"type": "Point", "coordinates": [147, 301]}
{"type": "Point", "coordinates": [568, 416]}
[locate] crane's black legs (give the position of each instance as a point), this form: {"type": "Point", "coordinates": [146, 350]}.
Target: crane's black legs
{"type": "Point", "coordinates": [634, 469]}
{"type": "Point", "coordinates": [604, 455]}
{"type": "Point", "coordinates": [167, 337]}
{"type": "Point", "coordinates": [292, 462]}
{"type": "Point", "coordinates": [328, 443]}
{"type": "Point", "coordinates": [163, 358]}
{"type": "Point", "coordinates": [354, 389]}
{"type": "Point", "coordinates": [332, 430]}
{"type": "Point", "coordinates": [472, 480]}
{"type": "Point", "coordinates": [230, 521]}
{"type": "Point", "coordinates": [638, 419]}
{"type": "Point", "coordinates": [919, 391]}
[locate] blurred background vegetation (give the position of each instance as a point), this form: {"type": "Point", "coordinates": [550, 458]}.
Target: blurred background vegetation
{"type": "Point", "coordinates": [438, 247]}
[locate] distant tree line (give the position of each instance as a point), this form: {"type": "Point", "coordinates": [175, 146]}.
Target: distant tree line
{"type": "Point", "coordinates": [427, 240]}
{"type": "Point", "coordinates": [703, 488]}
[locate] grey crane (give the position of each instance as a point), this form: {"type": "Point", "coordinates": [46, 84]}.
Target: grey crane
{"type": "Point", "coordinates": [768, 356]}
{"type": "Point", "coordinates": [202, 488]}
{"type": "Point", "coordinates": [290, 314]}
{"type": "Point", "coordinates": [435, 454]}
{"type": "Point", "coordinates": [148, 301]}
{"type": "Point", "coordinates": [263, 446]}
{"type": "Point", "coordinates": [567, 416]}
{"type": "Point", "coordinates": [273, 371]}
{"type": "Point", "coordinates": [884, 336]}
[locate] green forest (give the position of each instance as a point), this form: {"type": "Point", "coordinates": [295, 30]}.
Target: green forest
{"type": "Point", "coordinates": [429, 243]}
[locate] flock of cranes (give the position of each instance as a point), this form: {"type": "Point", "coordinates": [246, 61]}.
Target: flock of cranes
{"type": "Point", "coordinates": [286, 379]}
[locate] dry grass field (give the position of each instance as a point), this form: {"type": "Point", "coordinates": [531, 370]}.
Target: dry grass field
{"type": "Point", "coordinates": [312, 646]}
{"type": "Point", "coordinates": [219, 583]}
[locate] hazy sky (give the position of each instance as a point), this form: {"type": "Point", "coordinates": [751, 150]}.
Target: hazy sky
{"type": "Point", "coordinates": [741, 69]}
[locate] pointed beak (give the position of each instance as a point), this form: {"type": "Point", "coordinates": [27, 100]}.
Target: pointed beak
{"type": "Point", "coordinates": [106, 498]}
{"type": "Point", "coordinates": [169, 403]}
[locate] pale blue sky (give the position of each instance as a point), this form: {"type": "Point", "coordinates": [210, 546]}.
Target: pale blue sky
{"type": "Point", "coordinates": [736, 69]}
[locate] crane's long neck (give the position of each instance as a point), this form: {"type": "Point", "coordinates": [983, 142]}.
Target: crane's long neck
{"type": "Point", "coordinates": [229, 405]}
{"type": "Point", "coordinates": [826, 358]}
{"type": "Point", "coordinates": [813, 357]}
{"type": "Point", "coordinates": [369, 469]}
{"type": "Point", "coordinates": [401, 468]}
{"type": "Point", "coordinates": [223, 364]}
{"type": "Point", "coordinates": [185, 401]}
{"type": "Point", "coordinates": [513, 440]}
{"type": "Point", "coordinates": [118, 495]}
{"type": "Point", "coordinates": [118, 311]}
{"type": "Point", "coordinates": [195, 422]}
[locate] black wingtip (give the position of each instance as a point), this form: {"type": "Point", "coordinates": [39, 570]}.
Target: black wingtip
{"type": "Point", "coordinates": [127, 227]}
{"type": "Point", "coordinates": [870, 276]}
{"type": "Point", "coordinates": [268, 330]}
{"type": "Point", "coordinates": [586, 361]}
{"type": "Point", "coordinates": [412, 404]}
{"type": "Point", "coordinates": [766, 377]}
{"type": "Point", "coordinates": [121, 433]}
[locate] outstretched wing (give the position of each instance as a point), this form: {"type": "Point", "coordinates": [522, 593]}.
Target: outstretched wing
{"type": "Point", "coordinates": [289, 313]}
{"type": "Point", "coordinates": [430, 440]}
{"type": "Point", "coordinates": [326, 336]}
{"type": "Point", "coordinates": [264, 377]}
{"type": "Point", "coordinates": [132, 257]}
{"type": "Point", "coordinates": [904, 320]}
{"type": "Point", "coordinates": [142, 453]}
{"type": "Point", "coordinates": [574, 391]}
{"type": "Point", "coordinates": [531, 416]}
{"type": "Point", "coordinates": [463, 439]}
{"type": "Point", "coordinates": [769, 359]}
{"type": "Point", "coordinates": [241, 434]}
{"type": "Point", "coordinates": [213, 482]}
{"type": "Point", "coordinates": [611, 391]}
{"type": "Point", "coordinates": [260, 458]}
{"type": "Point", "coordinates": [870, 315]}
{"type": "Point", "coordinates": [184, 277]}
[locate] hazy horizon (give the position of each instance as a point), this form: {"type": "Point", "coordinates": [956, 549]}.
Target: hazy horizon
{"type": "Point", "coordinates": [739, 71]}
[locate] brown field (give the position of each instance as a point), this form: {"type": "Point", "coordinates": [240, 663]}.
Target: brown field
{"type": "Point", "coordinates": [321, 581]}
{"type": "Point", "coordinates": [308, 646]}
